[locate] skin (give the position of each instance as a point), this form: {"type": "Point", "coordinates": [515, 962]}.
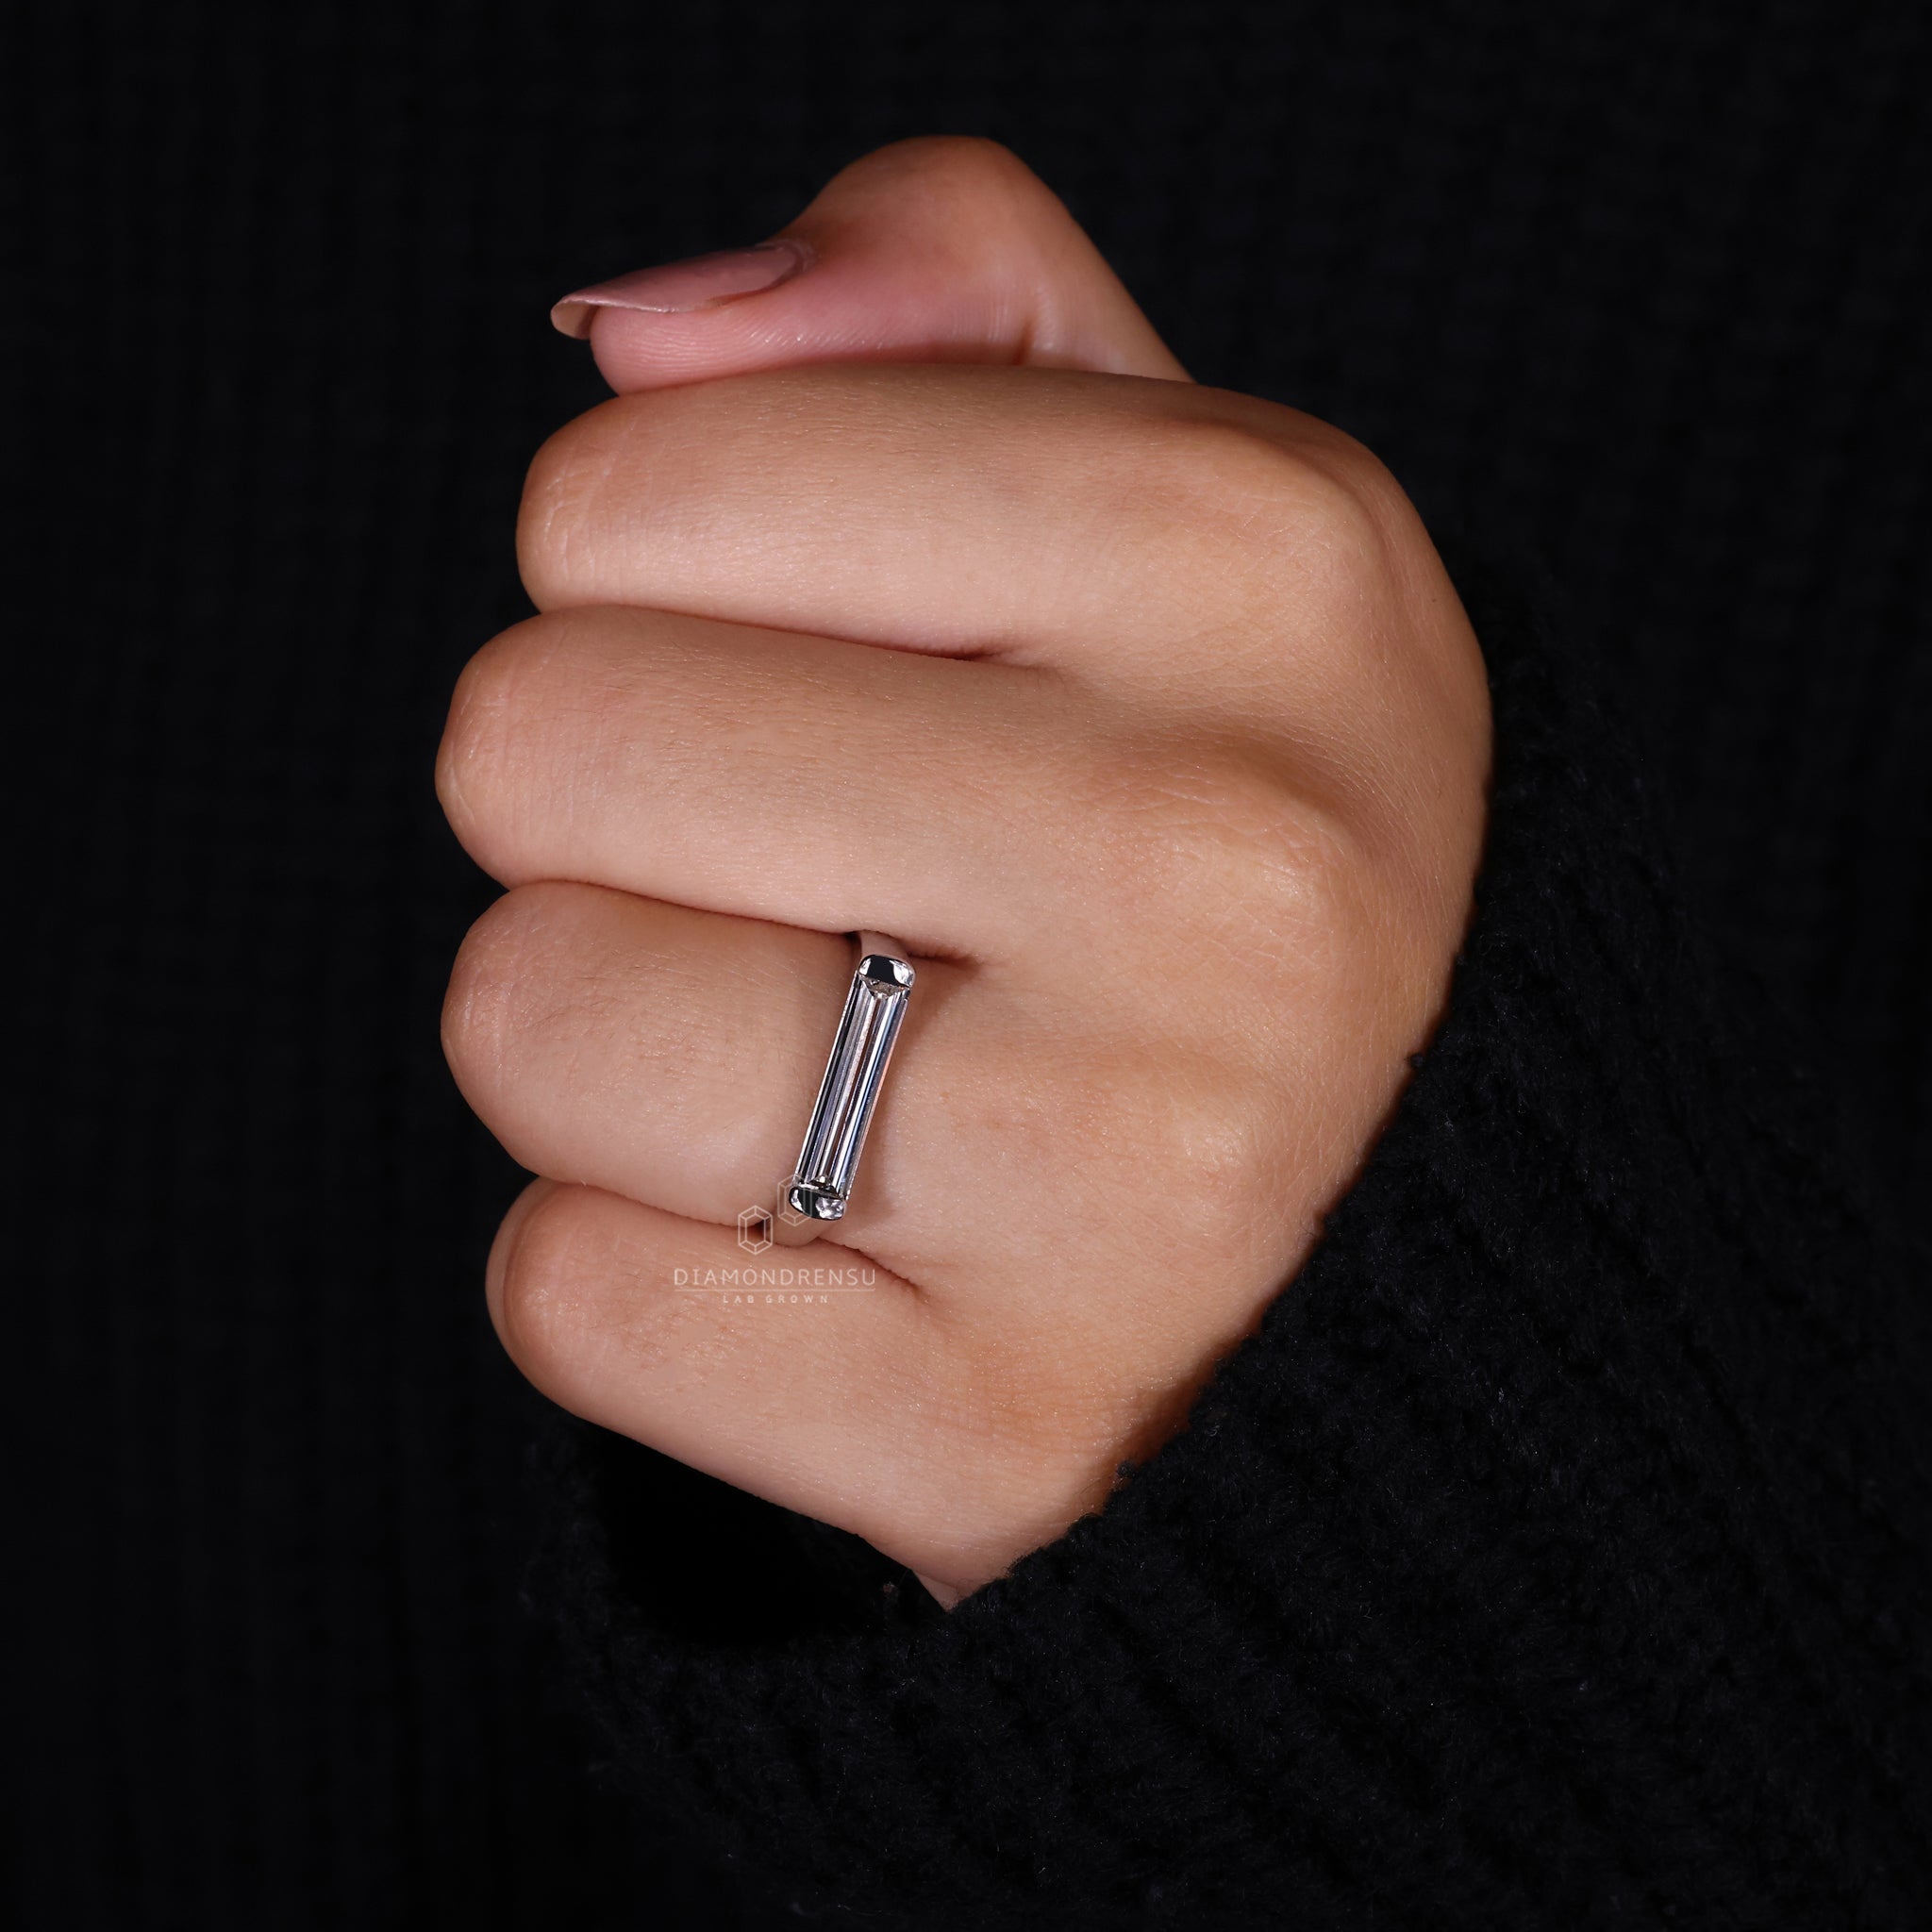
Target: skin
{"type": "Point", "coordinates": [924, 593]}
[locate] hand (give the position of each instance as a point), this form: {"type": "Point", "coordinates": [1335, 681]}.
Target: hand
{"type": "Point", "coordinates": [921, 593]}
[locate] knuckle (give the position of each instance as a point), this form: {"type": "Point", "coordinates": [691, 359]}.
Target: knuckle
{"type": "Point", "coordinates": [566, 498]}
{"type": "Point", "coordinates": [1222, 490]}
{"type": "Point", "coordinates": [1225, 832]}
{"type": "Point", "coordinates": [546, 1305]}
{"type": "Point", "coordinates": [488, 984]}
{"type": "Point", "coordinates": [473, 736]}
{"type": "Point", "coordinates": [629, 496]}
{"type": "Point", "coordinates": [489, 741]}
{"type": "Point", "coordinates": [964, 166]}
{"type": "Point", "coordinates": [1222, 1163]}
{"type": "Point", "coordinates": [528, 1001]}
{"type": "Point", "coordinates": [571, 1305]}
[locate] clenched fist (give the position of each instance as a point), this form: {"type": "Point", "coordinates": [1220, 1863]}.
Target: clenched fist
{"type": "Point", "coordinates": [908, 585]}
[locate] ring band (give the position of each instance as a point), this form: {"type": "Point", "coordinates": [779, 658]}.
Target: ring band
{"type": "Point", "coordinates": [816, 1194]}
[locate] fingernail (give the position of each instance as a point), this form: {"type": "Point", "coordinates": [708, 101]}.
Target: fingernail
{"type": "Point", "coordinates": [705, 281]}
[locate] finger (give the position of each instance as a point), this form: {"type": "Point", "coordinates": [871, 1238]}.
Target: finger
{"type": "Point", "coordinates": [826, 1386]}
{"type": "Point", "coordinates": [793, 778]}
{"type": "Point", "coordinates": [671, 1056]}
{"type": "Point", "coordinates": [944, 250]}
{"type": "Point", "coordinates": [1092, 523]}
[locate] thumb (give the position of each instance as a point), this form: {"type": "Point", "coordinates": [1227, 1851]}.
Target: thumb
{"type": "Point", "coordinates": [936, 250]}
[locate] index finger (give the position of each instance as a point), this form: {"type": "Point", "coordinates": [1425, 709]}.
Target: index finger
{"type": "Point", "coordinates": [1101, 524]}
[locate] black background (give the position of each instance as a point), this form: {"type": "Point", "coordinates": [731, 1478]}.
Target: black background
{"type": "Point", "coordinates": [1636, 293]}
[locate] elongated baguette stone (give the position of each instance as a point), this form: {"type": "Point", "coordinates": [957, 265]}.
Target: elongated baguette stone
{"type": "Point", "coordinates": [821, 1185]}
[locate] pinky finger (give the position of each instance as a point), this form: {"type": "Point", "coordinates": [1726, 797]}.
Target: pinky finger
{"type": "Point", "coordinates": [813, 1378]}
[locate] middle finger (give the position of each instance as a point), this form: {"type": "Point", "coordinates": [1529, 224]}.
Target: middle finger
{"type": "Point", "coordinates": [772, 775]}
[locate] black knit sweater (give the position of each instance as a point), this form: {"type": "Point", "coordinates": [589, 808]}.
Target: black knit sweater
{"type": "Point", "coordinates": [1555, 1556]}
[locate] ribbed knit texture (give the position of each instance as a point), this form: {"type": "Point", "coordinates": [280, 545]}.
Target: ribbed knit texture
{"type": "Point", "coordinates": [1640, 292]}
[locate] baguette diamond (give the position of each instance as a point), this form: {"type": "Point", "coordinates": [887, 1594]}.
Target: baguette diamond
{"type": "Point", "coordinates": [821, 1185]}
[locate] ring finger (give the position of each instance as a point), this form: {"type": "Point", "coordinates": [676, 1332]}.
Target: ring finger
{"type": "Point", "coordinates": [670, 1056]}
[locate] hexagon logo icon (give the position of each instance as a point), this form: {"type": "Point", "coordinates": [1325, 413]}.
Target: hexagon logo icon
{"type": "Point", "coordinates": [754, 1230]}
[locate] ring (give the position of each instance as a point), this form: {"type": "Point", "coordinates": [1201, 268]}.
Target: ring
{"type": "Point", "coordinates": [819, 1187]}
